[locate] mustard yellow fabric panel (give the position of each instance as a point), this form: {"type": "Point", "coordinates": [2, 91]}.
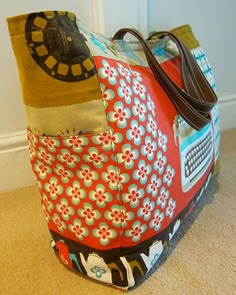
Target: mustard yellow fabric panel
{"type": "Point", "coordinates": [56, 69]}
{"type": "Point", "coordinates": [185, 33]}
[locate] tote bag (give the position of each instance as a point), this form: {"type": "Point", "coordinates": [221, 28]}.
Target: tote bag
{"type": "Point", "coordinates": [122, 140]}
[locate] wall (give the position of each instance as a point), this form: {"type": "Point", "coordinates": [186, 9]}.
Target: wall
{"type": "Point", "coordinates": [123, 13]}
{"type": "Point", "coordinates": [212, 21]}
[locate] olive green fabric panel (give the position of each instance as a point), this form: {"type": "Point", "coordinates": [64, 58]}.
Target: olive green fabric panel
{"type": "Point", "coordinates": [185, 33]}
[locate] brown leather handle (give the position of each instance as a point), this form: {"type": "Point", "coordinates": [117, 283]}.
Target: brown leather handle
{"type": "Point", "coordinates": [195, 83]}
{"type": "Point", "coordinates": [194, 110]}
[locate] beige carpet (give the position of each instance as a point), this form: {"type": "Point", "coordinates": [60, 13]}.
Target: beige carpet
{"type": "Point", "coordinates": [201, 259]}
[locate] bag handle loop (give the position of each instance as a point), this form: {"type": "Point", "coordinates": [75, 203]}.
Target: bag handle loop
{"type": "Point", "coordinates": [195, 83]}
{"type": "Point", "coordinates": [195, 110]}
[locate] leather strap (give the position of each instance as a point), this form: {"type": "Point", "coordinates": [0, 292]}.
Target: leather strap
{"type": "Point", "coordinates": [195, 83]}
{"type": "Point", "coordinates": [195, 103]}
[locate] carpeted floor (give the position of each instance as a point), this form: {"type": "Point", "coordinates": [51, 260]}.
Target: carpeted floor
{"type": "Point", "coordinates": [200, 260]}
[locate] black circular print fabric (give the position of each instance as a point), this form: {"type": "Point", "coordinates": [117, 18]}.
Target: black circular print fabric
{"type": "Point", "coordinates": [58, 47]}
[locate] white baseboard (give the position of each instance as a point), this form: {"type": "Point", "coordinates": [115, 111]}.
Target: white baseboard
{"type": "Point", "coordinates": [227, 108]}
{"type": "Point", "coordinates": [15, 168]}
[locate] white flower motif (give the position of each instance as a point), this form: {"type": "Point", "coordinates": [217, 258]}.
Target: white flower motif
{"type": "Point", "coordinates": [119, 216]}
{"type": "Point", "coordinates": [152, 188]}
{"type": "Point", "coordinates": [124, 91]}
{"type": "Point", "coordinates": [149, 148]}
{"type": "Point", "coordinates": [133, 196]}
{"type": "Point", "coordinates": [139, 89]}
{"type": "Point", "coordinates": [171, 207]}
{"type": "Point", "coordinates": [50, 142]}
{"type": "Point", "coordinates": [137, 76]}
{"type": "Point", "coordinates": [160, 163]}
{"type": "Point", "coordinates": [119, 115]}
{"type": "Point", "coordinates": [45, 156]}
{"type": "Point", "coordinates": [151, 105]}
{"type": "Point", "coordinates": [32, 138]}
{"type": "Point", "coordinates": [87, 175]}
{"type": "Point", "coordinates": [163, 196]}
{"type": "Point", "coordinates": [136, 232]}
{"type": "Point", "coordinates": [151, 126]}
{"type": "Point", "coordinates": [63, 173]}
{"type": "Point", "coordinates": [147, 209]}
{"type": "Point", "coordinates": [157, 220]}
{"type": "Point", "coordinates": [77, 228]}
{"type": "Point", "coordinates": [139, 109]}
{"type": "Point", "coordinates": [76, 142]}
{"type": "Point", "coordinates": [107, 95]}
{"type": "Point", "coordinates": [45, 212]}
{"type": "Point", "coordinates": [142, 172]}
{"type": "Point", "coordinates": [124, 72]}
{"type": "Point", "coordinates": [66, 157]}
{"type": "Point", "coordinates": [162, 140]}
{"type": "Point", "coordinates": [65, 210]}
{"type": "Point", "coordinates": [32, 152]}
{"type": "Point", "coordinates": [127, 156]}
{"type": "Point", "coordinates": [100, 196]}
{"type": "Point", "coordinates": [108, 72]}
{"type": "Point", "coordinates": [75, 192]}
{"type": "Point", "coordinates": [95, 157]}
{"type": "Point", "coordinates": [135, 133]}
{"type": "Point", "coordinates": [60, 224]}
{"type": "Point", "coordinates": [89, 213]}
{"type": "Point", "coordinates": [53, 188]}
{"type": "Point", "coordinates": [114, 177]}
{"type": "Point", "coordinates": [169, 175]}
{"type": "Point", "coordinates": [42, 170]}
{"type": "Point", "coordinates": [107, 139]}
{"type": "Point", "coordinates": [104, 233]}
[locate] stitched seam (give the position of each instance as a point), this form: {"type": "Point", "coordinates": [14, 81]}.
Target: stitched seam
{"type": "Point", "coordinates": [178, 95]}
{"type": "Point", "coordinates": [207, 84]}
{"type": "Point", "coordinates": [116, 165]}
{"type": "Point", "coordinates": [196, 81]}
{"type": "Point", "coordinates": [189, 107]}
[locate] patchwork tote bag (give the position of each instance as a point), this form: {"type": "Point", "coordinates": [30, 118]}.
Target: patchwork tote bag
{"type": "Point", "coordinates": [123, 139]}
